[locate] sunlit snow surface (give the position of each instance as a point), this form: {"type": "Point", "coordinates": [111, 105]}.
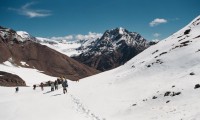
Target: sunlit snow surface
{"type": "Point", "coordinates": [134, 91]}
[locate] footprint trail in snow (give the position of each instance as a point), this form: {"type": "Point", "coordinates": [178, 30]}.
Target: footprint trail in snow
{"type": "Point", "coordinates": [81, 108]}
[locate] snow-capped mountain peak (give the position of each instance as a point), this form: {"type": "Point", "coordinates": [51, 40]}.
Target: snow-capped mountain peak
{"type": "Point", "coordinates": [19, 36]}
{"type": "Point", "coordinates": [115, 47]}
{"type": "Point", "coordinates": [25, 35]}
{"type": "Point", "coordinates": [117, 35]}
{"type": "Point", "coordinates": [121, 30]}
{"type": "Point", "coordinates": [9, 34]}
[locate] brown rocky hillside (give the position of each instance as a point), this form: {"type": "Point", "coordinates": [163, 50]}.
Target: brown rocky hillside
{"type": "Point", "coordinates": [40, 57]}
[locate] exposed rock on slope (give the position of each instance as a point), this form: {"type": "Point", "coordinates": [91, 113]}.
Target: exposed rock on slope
{"type": "Point", "coordinates": [27, 53]}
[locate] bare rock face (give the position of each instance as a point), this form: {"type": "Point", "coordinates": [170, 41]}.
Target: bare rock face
{"type": "Point", "coordinates": [8, 79]}
{"type": "Point", "coordinates": [39, 57]}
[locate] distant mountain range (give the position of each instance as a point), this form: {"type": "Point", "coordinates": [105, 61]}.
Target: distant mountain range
{"type": "Point", "coordinates": [112, 49]}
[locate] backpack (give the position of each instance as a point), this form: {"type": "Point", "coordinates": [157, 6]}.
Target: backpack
{"type": "Point", "coordinates": [65, 84]}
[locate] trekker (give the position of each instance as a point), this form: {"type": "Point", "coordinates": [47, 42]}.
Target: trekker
{"type": "Point", "coordinates": [62, 79]}
{"type": "Point", "coordinates": [65, 85]}
{"type": "Point", "coordinates": [52, 86]}
{"type": "Point", "coordinates": [16, 89]}
{"type": "Point", "coordinates": [56, 84]}
{"type": "Point", "coordinates": [59, 80]}
{"type": "Point", "coordinates": [42, 86]}
{"type": "Point", "coordinates": [49, 83]}
{"type": "Point", "coordinates": [34, 87]}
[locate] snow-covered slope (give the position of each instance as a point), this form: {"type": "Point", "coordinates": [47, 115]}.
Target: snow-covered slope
{"type": "Point", "coordinates": [38, 105]}
{"type": "Point", "coordinates": [158, 84]}
{"type": "Point", "coordinates": [161, 83]}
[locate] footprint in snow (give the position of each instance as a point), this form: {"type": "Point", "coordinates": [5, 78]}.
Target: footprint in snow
{"type": "Point", "coordinates": [84, 110]}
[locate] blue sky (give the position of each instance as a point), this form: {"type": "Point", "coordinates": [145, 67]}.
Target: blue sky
{"type": "Point", "coordinates": [153, 19]}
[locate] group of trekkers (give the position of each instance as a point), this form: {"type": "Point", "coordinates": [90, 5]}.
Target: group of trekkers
{"type": "Point", "coordinates": [54, 85]}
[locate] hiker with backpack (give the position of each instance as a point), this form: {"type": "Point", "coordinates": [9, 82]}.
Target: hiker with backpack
{"type": "Point", "coordinates": [65, 85]}
{"type": "Point", "coordinates": [16, 89]}
{"type": "Point", "coordinates": [52, 86]}
{"type": "Point", "coordinates": [59, 80]}
{"type": "Point", "coordinates": [42, 86]}
{"type": "Point", "coordinates": [34, 87]}
{"type": "Point", "coordinates": [56, 84]}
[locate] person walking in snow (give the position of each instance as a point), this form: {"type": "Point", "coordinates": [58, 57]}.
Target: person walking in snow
{"type": "Point", "coordinates": [49, 83]}
{"type": "Point", "coordinates": [34, 87]}
{"type": "Point", "coordinates": [62, 79]}
{"type": "Point", "coordinates": [42, 86]}
{"type": "Point", "coordinates": [59, 80]}
{"type": "Point", "coordinates": [52, 86]}
{"type": "Point", "coordinates": [56, 84]}
{"type": "Point", "coordinates": [16, 89]}
{"type": "Point", "coordinates": [65, 85]}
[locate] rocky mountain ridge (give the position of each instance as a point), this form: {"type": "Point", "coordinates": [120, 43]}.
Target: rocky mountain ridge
{"type": "Point", "coordinates": [113, 49]}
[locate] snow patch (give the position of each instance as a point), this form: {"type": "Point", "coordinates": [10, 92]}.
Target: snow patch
{"type": "Point", "coordinates": [30, 76]}
{"type": "Point", "coordinates": [8, 63]}
{"type": "Point", "coordinates": [23, 34]}
{"type": "Point", "coordinates": [121, 30]}
{"type": "Point", "coordinates": [24, 63]}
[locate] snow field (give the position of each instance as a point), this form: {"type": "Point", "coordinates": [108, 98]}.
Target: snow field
{"type": "Point", "coordinates": [137, 90]}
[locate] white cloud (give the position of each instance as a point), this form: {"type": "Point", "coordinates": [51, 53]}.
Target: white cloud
{"type": "Point", "coordinates": [68, 37]}
{"type": "Point", "coordinates": [90, 35]}
{"type": "Point", "coordinates": [31, 13]}
{"type": "Point", "coordinates": [156, 34]}
{"type": "Point", "coordinates": [157, 21]}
